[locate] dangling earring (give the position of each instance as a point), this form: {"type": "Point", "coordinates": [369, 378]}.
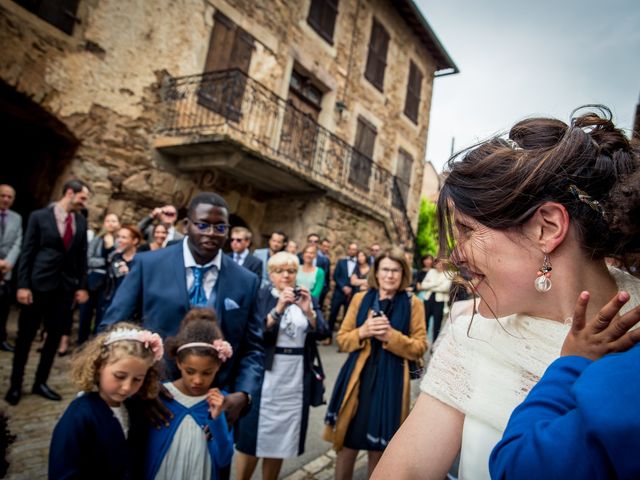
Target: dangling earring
{"type": "Point", "coordinates": [543, 281]}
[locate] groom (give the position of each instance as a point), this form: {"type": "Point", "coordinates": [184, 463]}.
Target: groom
{"type": "Point", "coordinates": [164, 284]}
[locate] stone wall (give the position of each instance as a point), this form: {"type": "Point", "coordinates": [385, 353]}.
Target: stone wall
{"type": "Point", "coordinates": [103, 83]}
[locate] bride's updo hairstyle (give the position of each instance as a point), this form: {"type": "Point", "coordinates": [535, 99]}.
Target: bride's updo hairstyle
{"type": "Point", "coordinates": [588, 166]}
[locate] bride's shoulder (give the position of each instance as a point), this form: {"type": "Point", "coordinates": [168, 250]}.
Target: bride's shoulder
{"type": "Point", "coordinates": [462, 309]}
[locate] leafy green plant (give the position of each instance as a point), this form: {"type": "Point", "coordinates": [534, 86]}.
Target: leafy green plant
{"type": "Point", "coordinates": [427, 235]}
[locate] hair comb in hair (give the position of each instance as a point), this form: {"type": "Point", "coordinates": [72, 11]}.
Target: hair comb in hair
{"type": "Point", "coordinates": [512, 144]}
{"type": "Point", "coordinates": [584, 197]}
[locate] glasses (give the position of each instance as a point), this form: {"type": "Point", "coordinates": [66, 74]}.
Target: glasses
{"type": "Point", "coordinates": [290, 271]}
{"type": "Point", "coordinates": [313, 240]}
{"type": "Point", "coordinates": [391, 271]}
{"type": "Point", "coordinates": [237, 240]}
{"type": "Point", "coordinates": [169, 213]}
{"type": "Point", "coordinates": [216, 229]}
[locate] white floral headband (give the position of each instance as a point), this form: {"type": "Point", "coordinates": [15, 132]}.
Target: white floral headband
{"type": "Point", "coordinates": [222, 347]}
{"type": "Point", "coordinates": [151, 341]}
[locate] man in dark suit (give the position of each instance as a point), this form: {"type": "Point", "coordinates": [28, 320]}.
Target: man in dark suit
{"type": "Point", "coordinates": [52, 274]}
{"type": "Point", "coordinates": [240, 242]}
{"type": "Point", "coordinates": [164, 284]}
{"type": "Point", "coordinates": [10, 244]}
{"type": "Point", "coordinates": [344, 289]}
{"type": "Point", "coordinates": [321, 262]}
{"type": "Point", "coordinates": [374, 251]}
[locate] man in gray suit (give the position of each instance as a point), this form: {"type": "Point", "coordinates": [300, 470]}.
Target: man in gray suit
{"type": "Point", "coordinates": [10, 244]}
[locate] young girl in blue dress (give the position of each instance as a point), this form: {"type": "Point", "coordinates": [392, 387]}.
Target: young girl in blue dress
{"type": "Point", "coordinates": [102, 434]}
{"type": "Point", "coordinates": [197, 443]}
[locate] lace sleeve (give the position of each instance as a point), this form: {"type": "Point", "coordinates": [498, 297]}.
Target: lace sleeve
{"type": "Point", "coordinates": [447, 377]}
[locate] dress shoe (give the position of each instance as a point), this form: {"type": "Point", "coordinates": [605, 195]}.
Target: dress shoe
{"type": "Point", "coordinates": [13, 396]}
{"type": "Point", "coordinates": [44, 391]}
{"type": "Point", "coordinates": [6, 347]}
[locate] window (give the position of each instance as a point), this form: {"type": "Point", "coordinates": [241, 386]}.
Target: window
{"type": "Point", "coordinates": [322, 17]}
{"type": "Point", "coordinates": [377, 57]}
{"type": "Point", "coordinates": [402, 180]}
{"type": "Point", "coordinates": [229, 54]}
{"type": "Point", "coordinates": [59, 13]}
{"type": "Point", "coordinates": [412, 100]}
{"type": "Point", "coordinates": [361, 158]}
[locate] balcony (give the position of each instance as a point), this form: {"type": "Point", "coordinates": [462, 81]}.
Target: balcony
{"type": "Point", "coordinates": [228, 121]}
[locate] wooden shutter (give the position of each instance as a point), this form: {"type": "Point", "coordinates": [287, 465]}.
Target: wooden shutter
{"type": "Point", "coordinates": [322, 17]}
{"type": "Point", "coordinates": [230, 50]}
{"type": "Point", "coordinates": [404, 169]}
{"type": "Point", "coordinates": [59, 13]}
{"type": "Point", "coordinates": [362, 155]}
{"type": "Point", "coordinates": [377, 57]}
{"type": "Point", "coordinates": [414, 87]}
{"type": "Point", "coordinates": [221, 43]}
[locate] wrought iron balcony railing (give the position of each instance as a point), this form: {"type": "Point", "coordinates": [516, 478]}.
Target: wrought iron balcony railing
{"type": "Point", "coordinates": [231, 104]}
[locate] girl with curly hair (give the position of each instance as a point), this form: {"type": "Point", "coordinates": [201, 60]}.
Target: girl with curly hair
{"type": "Point", "coordinates": [197, 442]}
{"type": "Point", "coordinates": [102, 434]}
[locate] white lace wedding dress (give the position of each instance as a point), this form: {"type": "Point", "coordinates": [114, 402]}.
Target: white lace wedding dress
{"type": "Point", "coordinates": [485, 367]}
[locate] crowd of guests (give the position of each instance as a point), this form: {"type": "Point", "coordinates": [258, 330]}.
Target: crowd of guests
{"type": "Point", "coordinates": [189, 351]}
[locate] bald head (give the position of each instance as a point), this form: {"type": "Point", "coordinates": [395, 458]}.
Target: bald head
{"type": "Point", "coordinates": [7, 196]}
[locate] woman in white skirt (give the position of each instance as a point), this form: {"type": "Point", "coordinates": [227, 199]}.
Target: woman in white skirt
{"type": "Point", "coordinates": [275, 427]}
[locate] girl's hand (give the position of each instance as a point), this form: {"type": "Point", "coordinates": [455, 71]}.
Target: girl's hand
{"type": "Point", "coordinates": [215, 399]}
{"type": "Point", "coordinates": [606, 333]}
{"type": "Point", "coordinates": [377, 327]}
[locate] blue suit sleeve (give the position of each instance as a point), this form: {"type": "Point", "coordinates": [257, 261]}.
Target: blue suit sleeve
{"type": "Point", "coordinates": [340, 275]}
{"type": "Point", "coordinates": [127, 298]}
{"type": "Point", "coordinates": [545, 436]}
{"type": "Point", "coordinates": [251, 364]}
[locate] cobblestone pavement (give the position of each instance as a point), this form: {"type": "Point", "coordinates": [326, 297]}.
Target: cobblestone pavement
{"type": "Point", "coordinates": [33, 419]}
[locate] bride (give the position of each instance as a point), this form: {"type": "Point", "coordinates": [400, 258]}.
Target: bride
{"type": "Point", "coordinates": [533, 218]}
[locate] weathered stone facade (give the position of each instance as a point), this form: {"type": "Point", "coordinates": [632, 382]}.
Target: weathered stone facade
{"type": "Point", "coordinates": [99, 92]}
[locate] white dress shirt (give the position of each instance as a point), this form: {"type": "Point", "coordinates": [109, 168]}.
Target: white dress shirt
{"type": "Point", "coordinates": [210, 277]}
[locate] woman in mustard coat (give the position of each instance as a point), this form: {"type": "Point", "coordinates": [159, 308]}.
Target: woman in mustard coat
{"type": "Point", "coordinates": [383, 330]}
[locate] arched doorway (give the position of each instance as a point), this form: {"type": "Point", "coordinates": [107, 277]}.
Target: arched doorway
{"type": "Point", "coordinates": [37, 149]}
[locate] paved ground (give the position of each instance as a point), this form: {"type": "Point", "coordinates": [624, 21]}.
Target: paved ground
{"type": "Point", "coordinates": [33, 420]}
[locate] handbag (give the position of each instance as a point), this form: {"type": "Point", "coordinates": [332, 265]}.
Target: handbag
{"type": "Point", "coordinates": [316, 389]}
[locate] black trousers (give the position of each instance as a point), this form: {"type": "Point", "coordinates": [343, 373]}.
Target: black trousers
{"type": "Point", "coordinates": [338, 301]}
{"type": "Point", "coordinates": [5, 303]}
{"type": "Point", "coordinates": [53, 308]}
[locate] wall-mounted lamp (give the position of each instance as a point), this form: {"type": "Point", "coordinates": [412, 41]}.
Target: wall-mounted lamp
{"type": "Point", "coordinates": [341, 106]}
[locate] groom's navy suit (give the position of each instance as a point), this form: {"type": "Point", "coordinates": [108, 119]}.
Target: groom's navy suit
{"type": "Point", "coordinates": [155, 290]}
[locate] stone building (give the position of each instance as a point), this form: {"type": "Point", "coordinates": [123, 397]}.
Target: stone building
{"type": "Point", "coordinates": [305, 115]}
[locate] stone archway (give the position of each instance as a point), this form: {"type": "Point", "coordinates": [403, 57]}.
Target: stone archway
{"type": "Point", "coordinates": [37, 149]}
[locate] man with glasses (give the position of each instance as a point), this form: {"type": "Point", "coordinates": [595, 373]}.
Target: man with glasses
{"type": "Point", "coordinates": [162, 285]}
{"type": "Point", "coordinates": [167, 216]}
{"type": "Point", "coordinates": [240, 242]}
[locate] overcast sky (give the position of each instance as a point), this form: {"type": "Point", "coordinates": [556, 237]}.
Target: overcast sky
{"type": "Point", "coordinates": [523, 58]}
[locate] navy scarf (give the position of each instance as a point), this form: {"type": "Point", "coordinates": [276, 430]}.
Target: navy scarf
{"type": "Point", "coordinates": [387, 401]}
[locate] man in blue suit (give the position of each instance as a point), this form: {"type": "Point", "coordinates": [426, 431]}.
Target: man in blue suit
{"type": "Point", "coordinates": [344, 289]}
{"type": "Point", "coordinates": [164, 284]}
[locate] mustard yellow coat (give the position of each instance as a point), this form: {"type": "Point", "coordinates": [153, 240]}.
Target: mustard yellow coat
{"type": "Point", "coordinates": [411, 347]}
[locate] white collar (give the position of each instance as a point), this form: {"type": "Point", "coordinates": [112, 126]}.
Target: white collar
{"type": "Point", "coordinates": [189, 261]}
